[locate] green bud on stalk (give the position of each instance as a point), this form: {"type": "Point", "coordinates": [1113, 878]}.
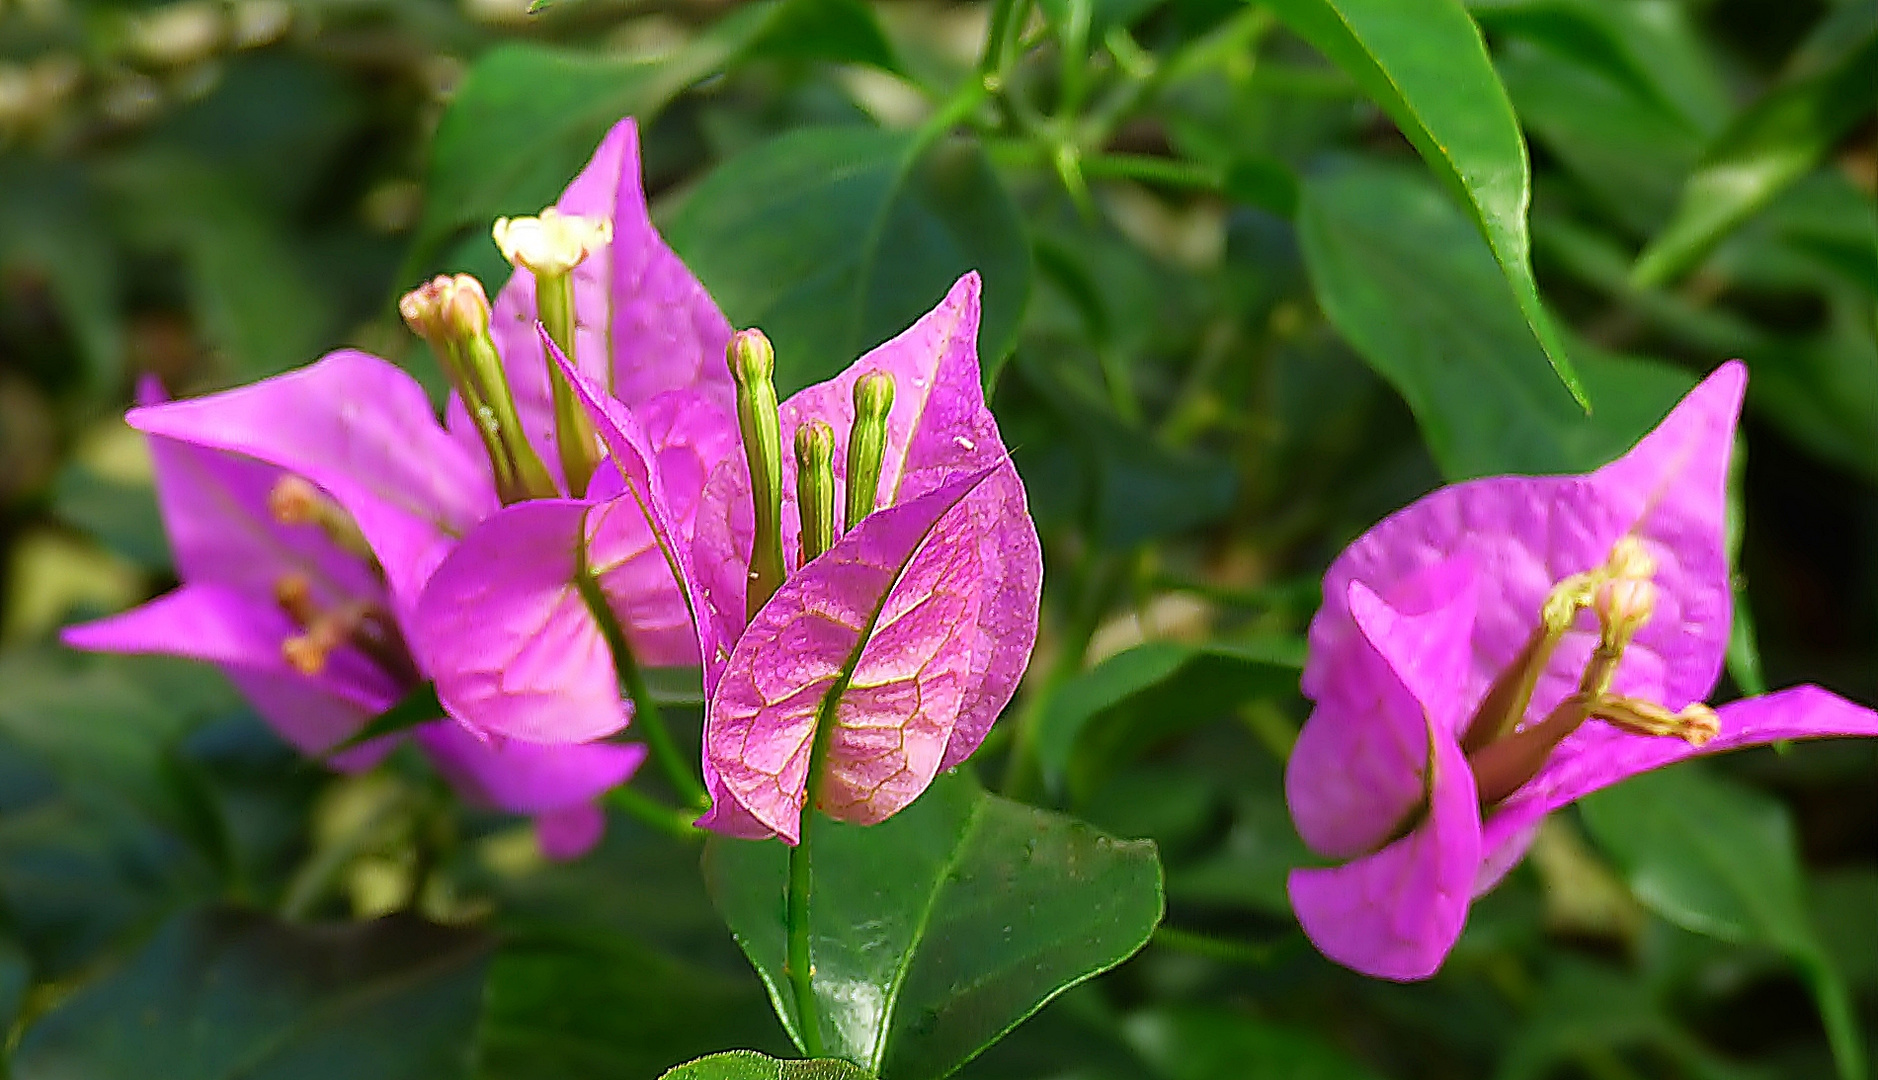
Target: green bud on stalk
{"type": "Point", "coordinates": [815, 487]}
{"type": "Point", "coordinates": [753, 367]}
{"type": "Point", "coordinates": [867, 443]}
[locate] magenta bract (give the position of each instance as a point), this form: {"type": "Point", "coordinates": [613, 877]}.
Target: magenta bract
{"type": "Point", "coordinates": [908, 635]}
{"type": "Point", "coordinates": [1426, 613]}
{"type": "Point", "coordinates": [421, 498]}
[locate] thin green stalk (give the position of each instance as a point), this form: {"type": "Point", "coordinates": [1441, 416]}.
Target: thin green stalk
{"type": "Point", "coordinates": [669, 820]}
{"type": "Point", "coordinates": [646, 715]}
{"type": "Point", "coordinates": [1171, 172]}
{"type": "Point", "coordinates": [800, 960]}
{"type": "Point", "coordinates": [648, 718]}
{"type": "Point", "coordinates": [800, 964]}
{"type": "Point", "coordinates": [1224, 950]}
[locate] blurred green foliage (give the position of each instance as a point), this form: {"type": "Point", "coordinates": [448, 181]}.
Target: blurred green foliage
{"type": "Point", "coordinates": [1256, 275]}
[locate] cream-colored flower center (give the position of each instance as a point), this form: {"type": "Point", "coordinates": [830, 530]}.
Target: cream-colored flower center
{"type": "Point", "coordinates": [551, 243]}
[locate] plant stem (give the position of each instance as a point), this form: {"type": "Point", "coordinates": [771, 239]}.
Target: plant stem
{"type": "Point", "coordinates": [1225, 950]}
{"type": "Point", "coordinates": [799, 963]}
{"type": "Point", "coordinates": [646, 714]}
{"type": "Point", "coordinates": [648, 718]}
{"type": "Point", "coordinates": [800, 959]}
{"type": "Point", "coordinates": [668, 820]}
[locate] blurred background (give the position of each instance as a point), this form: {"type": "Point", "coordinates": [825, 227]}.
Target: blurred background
{"type": "Point", "coordinates": [1231, 320]}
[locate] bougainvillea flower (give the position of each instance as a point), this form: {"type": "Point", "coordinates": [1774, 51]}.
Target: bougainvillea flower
{"type": "Point", "coordinates": [423, 495]}
{"type": "Point", "coordinates": [1501, 648]}
{"type": "Point", "coordinates": [906, 631]}
{"type": "Point", "coordinates": [283, 598]}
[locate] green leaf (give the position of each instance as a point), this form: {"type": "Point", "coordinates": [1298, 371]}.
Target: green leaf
{"type": "Point", "coordinates": [50, 223]}
{"type": "Point", "coordinates": [1424, 62]}
{"type": "Point", "coordinates": [1625, 147]}
{"type": "Point", "coordinates": [1404, 279]}
{"type": "Point", "coordinates": [122, 516]}
{"type": "Point", "coordinates": [1214, 1044]}
{"type": "Point", "coordinates": [1657, 50]}
{"type": "Point", "coordinates": [1774, 143]}
{"type": "Point", "coordinates": [602, 1006]}
{"type": "Point", "coordinates": [527, 117]}
{"type": "Point", "coordinates": [749, 1065]}
{"type": "Point", "coordinates": [1718, 858]}
{"type": "Point", "coordinates": [415, 709]}
{"type": "Point", "coordinates": [939, 930]}
{"type": "Point", "coordinates": [221, 994]}
{"type": "Point", "coordinates": [835, 239]}
{"type": "Point", "coordinates": [1195, 683]}
{"type": "Point", "coordinates": [249, 287]}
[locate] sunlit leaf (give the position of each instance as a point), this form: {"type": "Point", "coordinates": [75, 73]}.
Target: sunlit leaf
{"type": "Point", "coordinates": [835, 239]}
{"type": "Point", "coordinates": [939, 930]}
{"type": "Point", "coordinates": [1424, 62]}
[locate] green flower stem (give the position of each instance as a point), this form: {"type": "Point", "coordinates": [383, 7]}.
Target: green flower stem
{"type": "Point", "coordinates": [574, 437]}
{"type": "Point", "coordinates": [800, 960]}
{"type": "Point", "coordinates": [752, 368]}
{"type": "Point", "coordinates": [483, 366]}
{"type": "Point", "coordinates": [815, 488]}
{"type": "Point", "coordinates": [669, 820]}
{"type": "Point", "coordinates": [799, 964]}
{"type": "Point", "coordinates": [646, 716]}
{"type": "Point", "coordinates": [1224, 950]}
{"type": "Point", "coordinates": [651, 722]}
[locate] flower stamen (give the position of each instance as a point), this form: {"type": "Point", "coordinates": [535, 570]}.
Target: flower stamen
{"type": "Point", "coordinates": [295, 501]}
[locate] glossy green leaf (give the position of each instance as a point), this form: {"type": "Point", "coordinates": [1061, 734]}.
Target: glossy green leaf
{"type": "Point", "coordinates": [942, 928]}
{"type": "Point", "coordinates": [1424, 62]}
{"type": "Point", "coordinates": [1143, 694]}
{"type": "Point", "coordinates": [1774, 143]}
{"type": "Point", "coordinates": [1624, 146]}
{"type": "Point", "coordinates": [1655, 49]}
{"type": "Point", "coordinates": [528, 116]}
{"type": "Point", "coordinates": [219, 995]}
{"type": "Point", "coordinates": [1721, 859]}
{"type": "Point", "coordinates": [1404, 279]}
{"type": "Point", "coordinates": [1214, 1044]}
{"type": "Point", "coordinates": [601, 1006]}
{"type": "Point", "coordinates": [749, 1065]}
{"type": "Point", "coordinates": [835, 239]}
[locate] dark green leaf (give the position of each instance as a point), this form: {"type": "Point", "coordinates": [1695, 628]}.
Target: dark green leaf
{"type": "Point", "coordinates": [603, 1007]}
{"type": "Point", "coordinates": [248, 284]}
{"type": "Point", "coordinates": [1203, 681]}
{"type": "Point", "coordinates": [1770, 146]}
{"type": "Point", "coordinates": [1656, 50]}
{"type": "Point", "coordinates": [1424, 62]}
{"type": "Point", "coordinates": [1213, 1044]}
{"type": "Point", "coordinates": [1721, 859]}
{"type": "Point", "coordinates": [222, 994]}
{"type": "Point", "coordinates": [835, 239]}
{"type": "Point", "coordinates": [121, 516]}
{"type": "Point", "coordinates": [528, 116]}
{"type": "Point", "coordinates": [1405, 280]}
{"type": "Point", "coordinates": [748, 1065]}
{"type": "Point", "coordinates": [51, 225]}
{"type": "Point", "coordinates": [415, 709]}
{"type": "Point", "coordinates": [1625, 147]}
{"type": "Point", "coordinates": [939, 930]}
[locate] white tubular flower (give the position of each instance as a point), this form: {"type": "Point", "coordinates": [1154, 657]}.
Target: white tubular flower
{"type": "Point", "coordinates": [551, 244]}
